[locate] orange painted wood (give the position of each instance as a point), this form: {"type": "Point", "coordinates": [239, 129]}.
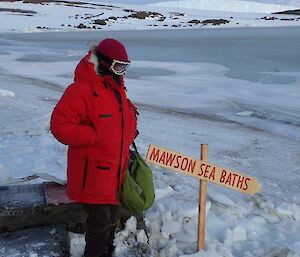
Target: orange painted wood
{"type": "Point", "coordinates": [202, 203]}
{"type": "Point", "coordinates": [202, 170]}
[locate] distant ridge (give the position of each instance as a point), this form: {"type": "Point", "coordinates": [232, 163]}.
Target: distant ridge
{"type": "Point", "coordinates": [292, 12]}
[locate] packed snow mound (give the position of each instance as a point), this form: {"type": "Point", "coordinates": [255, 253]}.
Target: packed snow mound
{"type": "Point", "coordinates": [6, 93]}
{"type": "Point", "coordinates": [226, 5]}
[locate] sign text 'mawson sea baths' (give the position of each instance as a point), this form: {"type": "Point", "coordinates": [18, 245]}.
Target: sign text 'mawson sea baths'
{"type": "Point", "coordinates": [202, 170]}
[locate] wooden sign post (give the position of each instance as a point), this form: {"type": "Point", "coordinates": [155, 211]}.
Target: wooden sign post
{"type": "Point", "coordinates": [204, 171]}
{"type": "Point", "coordinates": [202, 203]}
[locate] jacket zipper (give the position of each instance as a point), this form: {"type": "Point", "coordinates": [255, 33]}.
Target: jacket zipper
{"type": "Point", "coordinates": [119, 98]}
{"type": "Point", "coordinates": [121, 155]}
{"type": "Point", "coordinates": [84, 175]}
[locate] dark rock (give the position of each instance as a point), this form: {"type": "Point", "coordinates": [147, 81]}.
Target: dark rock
{"type": "Point", "coordinates": [292, 12]}
{"type": "Point", "coordinates": [81, 26]}
{"type": "Point", "coordinates": [112, 18]}
{"type": "Point", "coordinates": [177, 14]}
{"type": "Point", "coordinates": [100, 22]}
{"type": "Point", "coordinates": [17, 11]}
{"type": "Point", "coordinates": [194, 22]}
{"type": "Point", "coordinates": [269, 18]}
{"type": "Point", "coordinates": [162, 18]}
{"type": "Point", "coordinates": [128, 10]}
{"type": "Point", "coordinates": [142, 15]}
{"type": "Point", "coordinates": [215, 21]}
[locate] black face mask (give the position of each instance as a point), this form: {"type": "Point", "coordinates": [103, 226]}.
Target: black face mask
{"type": "Point", "coordinates": [104, 71]}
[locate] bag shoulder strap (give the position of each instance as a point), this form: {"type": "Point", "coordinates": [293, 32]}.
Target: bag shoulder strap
{"type": "Point", "coordinates": [134, 146]}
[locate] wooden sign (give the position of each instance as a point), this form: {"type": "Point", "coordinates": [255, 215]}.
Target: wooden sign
{"type": "Point", "coordinates": [202, 170]}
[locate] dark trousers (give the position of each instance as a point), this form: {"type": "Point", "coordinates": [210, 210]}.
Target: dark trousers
{"type": "Point", "coordinates": [101, 223]}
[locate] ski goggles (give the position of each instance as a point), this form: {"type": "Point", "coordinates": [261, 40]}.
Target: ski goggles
{"type": "Point", "coordinates": [116, 66]}
{"type": "Point", "coordinates": [119, 67]}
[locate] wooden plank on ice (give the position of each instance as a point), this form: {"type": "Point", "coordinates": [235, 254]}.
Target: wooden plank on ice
{"type": "Point", "coordinates": [25, 206]}
{"type": "Point", "coordinates": [56, 194]}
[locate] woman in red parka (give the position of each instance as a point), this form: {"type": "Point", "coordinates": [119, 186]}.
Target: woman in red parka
{"type": "Point", "coordinates": [98, 123]}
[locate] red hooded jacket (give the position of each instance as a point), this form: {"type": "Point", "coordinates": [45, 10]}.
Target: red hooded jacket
{"type": "Point", "coordinates": [98, 122]}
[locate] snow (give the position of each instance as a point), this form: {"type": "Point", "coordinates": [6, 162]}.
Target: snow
{"type": "Point", "coordinates": [6, 93]}
{"type": "Point", "coordinates": [237, 234]}
{"type": "Point", "coordinates": [77, 244]}
{"type": "Point", "coordinates": [61, 17]}
{"type": "Point", "coordinates": [142, 237]}
{"type": "Point", "coordinates": [235, 89]}
{"type": "Point", "coordinates": [227, 5]}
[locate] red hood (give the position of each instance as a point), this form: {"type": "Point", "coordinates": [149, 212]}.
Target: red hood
{"type": "Point", "coordinates": [85, 72]}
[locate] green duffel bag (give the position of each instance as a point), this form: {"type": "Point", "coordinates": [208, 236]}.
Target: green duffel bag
{"type": "Point", "coordinates": [138, 189]}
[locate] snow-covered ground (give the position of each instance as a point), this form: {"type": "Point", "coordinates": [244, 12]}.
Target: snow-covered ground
{"type": "Point", "coordinates": [228, 5]}
{"type": "Point", "coordinates": [235, 89]}
{"type": "Point", "coordinates": [18, 16]}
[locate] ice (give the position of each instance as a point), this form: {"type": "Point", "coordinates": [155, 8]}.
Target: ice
{"type": "Point", "coordinates": [142, 237]}
{"type": "Point", "coordinates": [292, 211]}
{"type": "Point", "coordinates": [235, 89]}
{"type": "Point", "coordinates": [5, 174]}
{"type": "Point", "coordinates": [77, 244]}
{"type": "Point", "coordinates": [173, 251]}
{"type": "Point", "coordinates": [164, 192]}
{"type": "Point", "coordinates": [6, 93]}
{"type": "Point", "coordinates": [282, 252]}
{"type": "Point", "coordinates": [131, 242]}
{"type": "Point", "coordinates": [245, 113]}
{"type": "Point", "coordinates": [130, 225]}
{"type": "Point", "coordinates": [236, 235]}
{"type": "Point", "coordinates": [169, 225]}
{"type": "Point", "coordinates": [215, 250]}
{"type": "Point", "coordinates": [223, 199]}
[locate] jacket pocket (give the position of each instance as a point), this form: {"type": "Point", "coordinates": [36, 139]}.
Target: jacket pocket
{"type": "Point", "coordinates": [105, 124]}
{"type": "Point", "coordinates": [105, 115]}
{"type": "Point", "coordinates": [101, 179]}
{"type": "Point", "coordinates": [100, 167]}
